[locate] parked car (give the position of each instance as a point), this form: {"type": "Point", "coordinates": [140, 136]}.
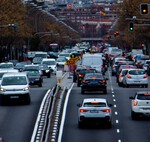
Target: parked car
{"type": "Point", "coordinates": [94, 110]}
{"type": "Point", "coordinates": [15, 87]}
{"type": "Point", "coordinates": [140, 104]}
{"type": "Point", "coordinates": [94, 82]}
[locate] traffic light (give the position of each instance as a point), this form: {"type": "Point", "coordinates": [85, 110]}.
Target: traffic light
{"type": "Point", "coordinates": [144, 8]}
{"type": "Point", "coordinates": [131, 25]}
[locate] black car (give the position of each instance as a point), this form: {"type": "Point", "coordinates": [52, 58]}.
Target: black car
{"type": "Point", "coordinates": [20, 65]}
{"type": "Point", "coordinates": [34, 78]}
{"type": "Point", "coordinates": [94, 82]}
{"type": "Point", "coordinates": [82, 73]}
{"type": "Point", "coordinates": [46, 71]}
{"type": "Point", "coordinates": [77, 70]}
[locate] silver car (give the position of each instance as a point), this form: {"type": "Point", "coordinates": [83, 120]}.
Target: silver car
{"type": "Point", "coordinates": [94, 110]}
{"type": "Point", "coordinates": [140, 104]}
{"type": "Point", "coordinates": [136, 77]}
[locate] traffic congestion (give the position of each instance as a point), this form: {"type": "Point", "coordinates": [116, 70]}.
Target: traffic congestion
{"type": "Point", "coordinates": [74, 71]}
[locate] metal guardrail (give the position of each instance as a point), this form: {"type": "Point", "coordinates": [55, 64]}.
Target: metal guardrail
{"type": "Point", "coordinates": [42, 122]}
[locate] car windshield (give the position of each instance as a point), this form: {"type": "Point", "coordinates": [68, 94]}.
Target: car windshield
{"type": "Point", "coordinates": [14, 80]}
{"type": "Point", "coordinates": [61, 60]}
{"type": "Point", "coordinates": [137, 72]}
{"type": "Point", "coordinates": [94, 104]}
{"type": "Point", "coordinates": [143, 96]}
{"type": "Point", "coordinates": [31, 68]}
{"type": "Point", "coordinates": [49, 62]}
{"type": "Point", "coordinates": [33, 73]}
{"type": "Point", "coordinates": [6, 66]}
{"type": "Point", "coordinates": [1, 74]}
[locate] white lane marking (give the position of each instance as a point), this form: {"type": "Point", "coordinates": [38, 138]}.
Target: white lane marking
{"type": "Point", "coordinates": [119, 140]}
{"type": "Point", "coordinates": [116, 113]}
{"type": "Point", "coordinates": [118, 131]}
{"type": "Point", "coordinates": [113, 96]}
{"type": "Point", "coordinates": [117, 121]}
{"type": "Point", "coordinates": [115, 105]}
{"type": "Point", "coordinates": [114, 100]}
{"type": "Point", "coordinates": [64, 114]}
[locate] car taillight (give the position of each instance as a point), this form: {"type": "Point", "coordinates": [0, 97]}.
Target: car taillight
{"type": "Point", "coordinates": [83, 110]}
{"type": "Point", "coordinates": [80, 75]}
{"type": "Point", "coordinates": [128, 76]}
{"type": "Point", "coordinates": [84, 81]}
{"type": "Point", "coordinates": [120, 75]}
{"type": "Point", "coordinates": [113, 66]}
{"type": "Point", "coordinates": [101, 66]}
{"type": "Point", "coordinates": [106, 110]}
{"type": "Point", "coordinates": [104, 81]}
{"type": "Point", "coordinates": [145, 76]}
{"type": "Point", "coordinates": [134, 103]}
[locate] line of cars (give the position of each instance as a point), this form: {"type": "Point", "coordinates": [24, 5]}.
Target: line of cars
{"type": "Point", "coordinates": [132, 73]}
{"type": "Point", "coordinates": [128, 74]}
{"type": "Point", "coordinates": [15, 82]}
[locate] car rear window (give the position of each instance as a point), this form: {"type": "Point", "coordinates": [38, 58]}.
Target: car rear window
{"type": "Point", "coordinates": [143, 96]}
{"type": "Point", "coordinates": [94, 104]}
{"type": "Point", "coordinates": [137, 72]}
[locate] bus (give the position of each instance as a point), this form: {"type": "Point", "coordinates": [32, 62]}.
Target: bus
{"type": "Point", "coordinates": [54, 47]}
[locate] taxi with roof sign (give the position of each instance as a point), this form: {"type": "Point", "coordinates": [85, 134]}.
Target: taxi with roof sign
{"type": "Point", "coordinates": [94, 110]}
{"type": "Point", "coordinates": [140, 104]}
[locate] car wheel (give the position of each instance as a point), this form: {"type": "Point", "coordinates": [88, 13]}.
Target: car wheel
{"type": "Point", "coordinates": [82, 91]}
{"type": "Point", "coordinates": [105, 91]}
{"type": "Point", "coordinates": [109, 124]}
{"type": "Point", "coordinates": [49, 76]}
{"type": "Point", "coordinates": [78, 84]}
{"type": "Point", "coordinates": [28, 100]}
{"type": "Point", "coordinates": [74, 79]}
{"type": "Point", "coordinates": [133, 115]}
{"type": "Point", "coordinates": [80, 125]}
{"type": "Point", "coordinates": [40, 85]}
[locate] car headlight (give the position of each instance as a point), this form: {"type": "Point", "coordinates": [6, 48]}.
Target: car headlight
{"type": "Point", "coordinates": [2, 90]}
{"type": "Point", "coordinates": [47, 71]}
{"type": "Point", "coordinates": [26, 89]}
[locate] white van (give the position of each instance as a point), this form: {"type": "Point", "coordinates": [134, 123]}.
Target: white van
{"type": "Point", "coordinates": [93, 60]}
{"type": "Point", "coordinates": [51, 63]}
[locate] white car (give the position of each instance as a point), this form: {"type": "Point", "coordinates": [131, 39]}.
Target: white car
{"type": "Point", "coordinates": [51, 63]}
{"type": "Point", "coordinates": [140, 104]}
{"type": "Point", "coordinates": [94, 110]}
{"type": "Point", "coordinates": [136, 77]}
{"type": "Point", "coordinates": [15, 87]}
{"type": "Point", "coordinates": [3, 71]}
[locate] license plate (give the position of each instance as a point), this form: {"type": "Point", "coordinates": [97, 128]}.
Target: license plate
{"type": "Point", "coordinates": [94, 111]}
{"type": "Point", "coordinates": [93, 82]}
{"type": "Point", "coordinates": [146, 108]}
{"type": "Point", "coordinates": [14, 97]}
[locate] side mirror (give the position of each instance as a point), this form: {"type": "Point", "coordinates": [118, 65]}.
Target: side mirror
{"type": "Point", "coordinates": [131, 97]}
{"type": "Point", "coordinates": [78, 105]}
{"type": "Point", "coordinates": [110, 105]}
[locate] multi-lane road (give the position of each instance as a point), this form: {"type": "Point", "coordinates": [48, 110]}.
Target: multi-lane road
{"type": "Point", "coordinates": [17, 121]}
{"type": "Point", "coordinates": [123, 130]}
